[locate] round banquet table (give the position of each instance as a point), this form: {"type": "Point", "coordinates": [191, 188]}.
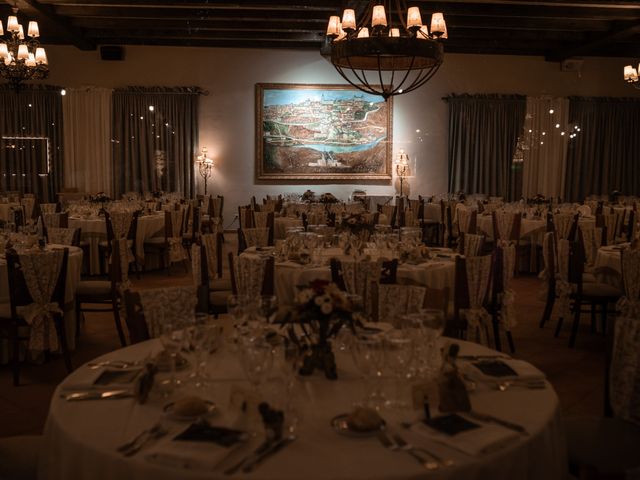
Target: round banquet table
{"type": "Point", "coordinates": [438, 272]}
{"type": "Point", "coordinates": [81, 437]}
{"type": "Point", "coordinates": [74, 268]}
{"type": "Point", "coordinates": [608, 265]}
{"type": "Point", "coordinates": [94, 230]}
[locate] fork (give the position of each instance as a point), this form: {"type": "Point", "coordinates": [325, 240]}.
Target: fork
{"type": "Point", "coordinates": [404, 445]}
{"type": "Point", "coordinates": [157, 431]}
{"type": "Point", "coordinates": [395, 447]}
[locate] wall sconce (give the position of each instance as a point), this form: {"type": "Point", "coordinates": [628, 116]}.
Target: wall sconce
{"type": "Point", "coordinates": [205, 167]}
{"type": "Point", "coordinates": [402, 168]}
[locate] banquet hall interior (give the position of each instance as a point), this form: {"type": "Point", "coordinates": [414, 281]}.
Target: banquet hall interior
{"type": "Point", "coordinates": [312, 239]}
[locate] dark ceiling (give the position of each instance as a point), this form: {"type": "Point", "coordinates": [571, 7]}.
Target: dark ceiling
{"type": "Point", "coordinates": [556, 29]}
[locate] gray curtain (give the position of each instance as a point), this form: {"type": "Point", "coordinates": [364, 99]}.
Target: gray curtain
{"type": "Point", "coordinates": [605, 155]}
{"type": "Point", "coordinates": [483, 133]}
{"type": "Point", "coordinates": [155, 137]}
{"type": "Point", "coordinates": [31, 156]}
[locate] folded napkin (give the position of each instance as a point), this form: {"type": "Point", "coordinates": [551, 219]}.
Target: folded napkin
{"type": "Point", "coordinates": [102, 378]}
{"type": "Point", "coordinates": [481, 439]}
{"type": "Point", "coordinates": [503, 369]}
{"type": "Point", "coordinates": [196, 454]}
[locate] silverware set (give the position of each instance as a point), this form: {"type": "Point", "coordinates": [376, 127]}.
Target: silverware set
{"type": "Point", "coordinates": [113, 364]}
{"type": "Point", "coordinates": [426, 458]}
{"type": "Point", "coordinates": [96, 395]}
{"type": "Point", "coordinates": [267, 449]}
{"type": "Point", "coordinates": [142, 439]}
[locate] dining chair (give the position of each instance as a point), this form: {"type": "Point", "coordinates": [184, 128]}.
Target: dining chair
{"type": "Point", "coordinates": [502, 297]}
{"type": "Point", "coordinates": [470, 244]}
{"type": "Point", "coordinates": [251, 275]}
{"type": "Point", "coordinates": [148, 309]}
{"type": "Point", "coordinates": [470, 318]}
{"type": "Point", "coordinates": [63, 236]}
{"type": "Point", "coordinates": [192, 226]}
{"type": "Point", "coordinates": [120, 225]}
{"type": "Point", "coordinates": [169, 247]}
{"type": "Point", "coordinates": [389, 302]}
{"type": "Point", "coordinates": [549, 255]}
{"type": "Point", "coordinates": [254, 237]}
{"type": "Point", "coordinates": [105, 295]}
{"type": "Point", "coordinates": [206, 260]}
{"type": "Point", "coordinates": [36, 280]}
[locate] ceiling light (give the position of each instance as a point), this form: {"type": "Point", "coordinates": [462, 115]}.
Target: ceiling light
{"type": "Point", "coordinates": [385, 49]}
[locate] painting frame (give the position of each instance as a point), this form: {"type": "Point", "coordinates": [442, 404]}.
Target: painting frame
{"type": "Point", "coordinates": [264, 174]}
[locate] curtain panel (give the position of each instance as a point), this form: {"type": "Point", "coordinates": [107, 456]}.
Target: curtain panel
{"type": "Point", "coordinates": [88, 165]}
{"type": "Point", "coordinates": [155, 136]}
{"type": "Point", "coordinates": [605, 156]}
{"type": "Point", "coordinates": [545, 140]}
{"type": "Point", "coordinates": [31, 143]}
{"type": "Point", "coordinates": [483, 133]}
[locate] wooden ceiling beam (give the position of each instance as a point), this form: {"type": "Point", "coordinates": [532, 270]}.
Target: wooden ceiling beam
{"type": "Point", "coordinates": [269, 5]}
{"type": "Point", "coordinates": [98, 35]}
{"type": "Point", "coordinates": [74, 34]}
{"type": "Point", "coordinates": [618, 33]}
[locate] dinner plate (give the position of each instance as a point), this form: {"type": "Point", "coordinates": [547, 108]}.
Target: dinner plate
{"type": "Point", "coordinates": [339, 424]}
{"type": "Point", "coordinates": [171, 414]}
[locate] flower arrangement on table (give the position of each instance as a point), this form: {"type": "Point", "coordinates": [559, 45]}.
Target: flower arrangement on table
{"type": "Point", "coordinates": [356, 223]}
{"type": "Point", "coordinates": [538, 199]}
{"type": "Point", "coordinates": [321, 311]}
{"type": "Point", "coordinates": [328, 198]}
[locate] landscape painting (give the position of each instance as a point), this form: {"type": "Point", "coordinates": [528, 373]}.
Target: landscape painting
{"type": "Point", "coordinates": [322, 132]}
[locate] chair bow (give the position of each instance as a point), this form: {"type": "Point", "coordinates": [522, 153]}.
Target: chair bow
{"type": "Point", "coordinates": [39, 316]}
{"type": "Point", "coordinates": [477, 320]}
{"type": "Point", "coordinates": [176, 250]}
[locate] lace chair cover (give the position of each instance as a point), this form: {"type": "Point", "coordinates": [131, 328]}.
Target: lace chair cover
{"type": "Point", "coordinates": [249, 272]}
{"type": "Point", "coordinates": [51, 219]}
{"type": "Point", "coordinates": [28, 203]}
{"type": "Point", "coordinates": [61, 236]}
{"type": "Point", "coordinates": [352, 208]}
{"type": "Point", "coordinates": [246, 215]}
{"type": "Point", "coordinates": [464, 218]}
{"type": "Point", "coordinates": [268, 207]}
{"type": "Point", "coordinates": [169, 305]}
{"type": "Point", "coordinates": [316, 216]}
{"type": "Point", "coordinates": [177, 252]}
{"type": "Point", "coordinates": [548, 253]}
{"type": "Point", "coordinates": [396, 300]}
{"type": "Point", "coordinates": [210, 243]}
{"type": "Point", "coordinates": [508, 317]}
{"type": "Point", "coordinates": [256, 237]}
{"type": "Point", "coordinates": [504, 221]}
{"type": "Point", "coordinates": [336, 208]}
{"type": "Point", "coordinates": [358, 275]}
{"type": "Point", "coordinates": [414, 205]}
{"type": "Point", "coordinates": [123, 282]}
{"type": "Point", "coordinates": [592, 239]}
{"type": "Point", "coordinates": [624, 381]}
{"type": "Point", "coordinates": [41, 270]}
{"type": "Point", "coordinates": [478, 273]}
{"type": "Point", "coordinates": [120, 223]}
{"type": "Point", "coordinates": [261, 219]}
{"type": "Point", "coordinates": [48, 208]}
{"type": "Point", "coordinates": [217, 207]}
{"type": "Point", "coordinates": [562, 222]}
{"type": "Point", "coordinates": [411, 218]}
{"type": "Point", "coordinates": [472, 244]}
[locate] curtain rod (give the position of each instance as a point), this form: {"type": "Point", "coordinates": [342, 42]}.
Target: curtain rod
{"type": "Point", "coordinates": [168, 90]}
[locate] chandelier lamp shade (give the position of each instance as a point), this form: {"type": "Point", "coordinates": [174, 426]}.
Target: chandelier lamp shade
{"type": "Point", "coordinates": [21, 56]}
{"type": "Point", "coordinates": [631, 75]}
{"type": "Point", "coordinates": [388, 50]}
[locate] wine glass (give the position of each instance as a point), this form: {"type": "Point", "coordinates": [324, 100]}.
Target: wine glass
{"type": "Point", "coordinates": [256, 360]}
{"type": "Point", "coordinates": [172, 340]}
{"type": "Point", "coordinates": [198, 332]}
{"type": "Point", "coordinates": [367, 354]}
{"type": "Point", "coordinates": [399, 355]}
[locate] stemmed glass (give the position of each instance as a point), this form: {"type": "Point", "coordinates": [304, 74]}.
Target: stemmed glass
{"type": "Point", "coordinates": [172, 339]}
{"type": "Point", "coordinates": [203, 335]}
{"type": "Point", "coordinates": [368, 354]}
{"type": "Point", "coordinates": [399, 355]}
{"type": "Point", "coordinates": [239, 307]}
{"type": "Point", "coordinates": [428, 326]}
{"type": "Point", "coordinates": [256, 360]}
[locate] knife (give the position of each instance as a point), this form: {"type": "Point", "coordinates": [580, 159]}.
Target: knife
{"type": "Point", "coordinates": [275, 448]}
{"type": "Point", "coordinates": [97, 395]}
{"type": "Point", "coordinates": [485, 417]}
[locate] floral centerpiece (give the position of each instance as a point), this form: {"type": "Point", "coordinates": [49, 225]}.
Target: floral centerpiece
{"type": "Point", "coordinates": [321, 310]}
{"type": "Point", "coordinates": [99, 197]}
{"type": "Point", "coordinates": [328, 198]}
{"type": "Point", "coordinates": [356, 223]}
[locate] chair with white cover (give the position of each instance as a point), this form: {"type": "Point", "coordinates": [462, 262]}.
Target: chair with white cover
{"type": "Point", "coordinates": [607, 447]}
{"type": "Point", "coordinates": [37, 282]}
{"type": "Point", "coordinates": [251, 275]}
{"type": "Point", "coordinates": [148, 309]}
{"type": "Point", "coordinates": [502, 303]}
{"type": "Point", "coordinates": [63, 236]}
{"type": "Point", "coordinates": [206, 261]}
{"type": "Point", "coordinates": [470, 244]}
{"type": "Point", "coordinates": [389, 302]}
{"type": "Point", "coordinates": [253, 237]}
{"type": "Point", "coordinates": [170, 247]}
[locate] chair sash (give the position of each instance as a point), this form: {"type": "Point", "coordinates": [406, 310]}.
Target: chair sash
{"type": "Point", "coordinates": [41, 271]}
{"type": "Point", "coordinates": [478, 273]}
{"type": "Point", "coordinates": [562, 222]}
{"type": "Point", "coordinates": [508, 316]}
{"type": "Point", "coordinates": [177, 252]}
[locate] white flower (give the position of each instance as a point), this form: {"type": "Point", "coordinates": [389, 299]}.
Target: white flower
{"type": "Point", "coordinates": [304, 296]}
{"type": "Point", "coordinates": [326, 308]}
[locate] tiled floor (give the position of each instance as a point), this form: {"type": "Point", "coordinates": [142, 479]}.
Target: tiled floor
{"type": "Point", "coordinates": [576, 374]}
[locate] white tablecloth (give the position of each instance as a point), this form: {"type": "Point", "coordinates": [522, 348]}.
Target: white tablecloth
{"type": "Point", "coordinates": [80, 438]}
{"type": "Point", "coordinates": [528, 226]}
{"type": "Point", "coordinates": [94, 230]}
{"type": "Point", "coordinates": [74, 268]}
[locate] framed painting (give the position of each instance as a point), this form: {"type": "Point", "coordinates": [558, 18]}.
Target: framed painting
{"type": "Point", "coordinates": [322, 132]}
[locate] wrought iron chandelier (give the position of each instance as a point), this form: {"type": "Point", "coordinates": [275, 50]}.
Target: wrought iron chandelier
{"type": "Point", "coordinates": [21, 58]}
{"type": "Point", "coordinates": [388, 51]}
{"type": "Point", "coordinates": [631, 75]}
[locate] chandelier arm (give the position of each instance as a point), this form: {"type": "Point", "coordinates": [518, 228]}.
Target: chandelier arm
{"type": "Point", "coordinates": [382, 87]}
{"type": "Point", "coordinates": [404, 79]}
{"type": "Point", "coordinates": [425, 79]}
{"type": "Point", "coordinates": [362, 79]}
{"type": "Point", "coordinates": [362, 88]}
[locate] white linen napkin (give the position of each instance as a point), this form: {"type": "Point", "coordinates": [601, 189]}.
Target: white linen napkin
{"type": "Point", "coordinates": [524, 371]}
{"type": "Point", "coordinates": [479, 441]}
{"type": "Point", "coordinates": [195, 456]}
